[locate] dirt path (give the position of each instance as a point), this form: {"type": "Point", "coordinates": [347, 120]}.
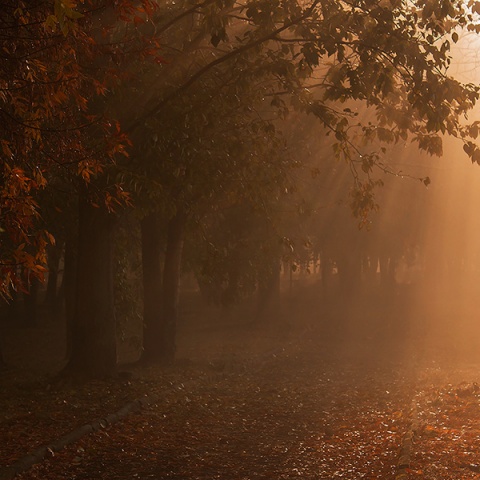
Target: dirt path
{"type": "Point", "coordinates": [293, 413]}
{"type": "Point", "coordinates": [276, 401]}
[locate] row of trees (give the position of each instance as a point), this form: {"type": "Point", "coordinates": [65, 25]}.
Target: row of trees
{"type": "Point", "coordinates": [179, 115]}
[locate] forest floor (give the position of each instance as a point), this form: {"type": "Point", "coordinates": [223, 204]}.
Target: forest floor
{"type": "Point", "coordinates": [316, 394]}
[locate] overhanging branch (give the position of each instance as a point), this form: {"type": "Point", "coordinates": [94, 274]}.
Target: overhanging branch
{"type": "Point", "coordinates": [232, 54]}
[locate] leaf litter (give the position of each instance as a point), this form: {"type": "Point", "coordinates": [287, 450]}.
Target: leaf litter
{"type": "Point", "coordinates": [299, 410]}
{"type": "Point", "coordinates": [293, 415]}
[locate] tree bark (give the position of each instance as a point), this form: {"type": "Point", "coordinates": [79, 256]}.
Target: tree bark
{"type": "Point", "coordinates": [152, 287]}
{"type": "Point", "coordinates": [68, 286]}
{"type": "Point", "coordinates": [2, 361]}
{"type": "Point", "coordinates": [54, 256]}
{"type": "Point", "coordinates": [161, 289]}
{"type": "Point", "coordinates": [171, 286]}
{"type": "Point", "coordinates": [161, 311]}
{"type": "Point", "coordinates": [94, 351]}
{"type": "Point", "coordinates": [30, 300]}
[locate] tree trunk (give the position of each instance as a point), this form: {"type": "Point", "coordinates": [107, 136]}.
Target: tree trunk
{"type": "Point", "coordinates": [387, 271]}
{"type": "Point", "coordinates": [2, 361]}
{"type": "Point", "coordinates": [170, 287]}
{"type": "Point", "coordinates": [30, 300]}
{"type": "Point", "coordinates": [350, 271]}
{"type": "Point", "coordinates": [269, 291]}
{"type": "Point", "coordinates": [152, 288]}
{"type": "Point", "coordinates": [54, 256]}
{"type": "Point", "coordinates": [94, 352]}
{"type": "Point", "coordinates": [13, 308]}
{"type": "Point", "coordinates": [68, 286]}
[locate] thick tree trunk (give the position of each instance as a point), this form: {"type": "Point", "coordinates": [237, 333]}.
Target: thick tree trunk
{"type": "Point", "coordinates": [2, 361]}
{"type": "Point", "coordinates": [161, 289]}
{"type": "Point", "coordinates": [152, 288]}
{"type": "Point", "coordinates": [94, 352]}
{"type": "Point", "coordinates": [68, 286]}
{"type": "Point", "coordinates": [54, 256]}
{"type": "Point", "coordinates": [30, 300]}
{"type": "Point", "coordinates": [12, 308]}
{"type": "Point", "coordinates": [170, 287]}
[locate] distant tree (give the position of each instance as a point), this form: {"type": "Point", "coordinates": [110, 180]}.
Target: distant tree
{"type": "Point", "coordinates": [327, 59]}
{"type": "Point", "coordinates": [196, 163]}
{"type": "Point", "coordinates": [237, 254]}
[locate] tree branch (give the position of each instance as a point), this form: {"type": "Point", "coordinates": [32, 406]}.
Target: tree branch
{"type": "Point", "coordinates": [232, 54]}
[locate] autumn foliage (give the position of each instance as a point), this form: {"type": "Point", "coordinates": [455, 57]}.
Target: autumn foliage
{"type": "Point", "coordinates": [54, 72]}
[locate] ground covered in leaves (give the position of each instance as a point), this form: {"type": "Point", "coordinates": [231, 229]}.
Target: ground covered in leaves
{"type": "Point", "coordinates": [285, 417]}
{"type": "Point", "coordinates": [447, 442]}
{"type": "Point", "coordinates": [245, 401]}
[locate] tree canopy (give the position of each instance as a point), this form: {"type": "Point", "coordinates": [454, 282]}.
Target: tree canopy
{"type": "Point", "coordinates": [50, 82]}
{"type": "Point", "coordinates": [372, 72]}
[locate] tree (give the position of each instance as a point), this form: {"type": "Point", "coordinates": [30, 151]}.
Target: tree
{"type": "Point", "coordinates": [312, 56]}
{"type": "Point", "coordinates": [94, 316]}
{"type": "Point", "coordinates": [195, 163]}
{"type": "Point", "coordinates": [41, 116]}
{"type": "Point", "coordinates": [389, 55]}
{"type": "Point", "coordinates": [93, 338]}
{"type": "Point", "coordinates": [57, 64]}
{"type": "Point", "coordinates": [325, 58]}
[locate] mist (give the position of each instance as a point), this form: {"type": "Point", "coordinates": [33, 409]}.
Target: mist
{"type": "Point", "coordinates": [263, 276]}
